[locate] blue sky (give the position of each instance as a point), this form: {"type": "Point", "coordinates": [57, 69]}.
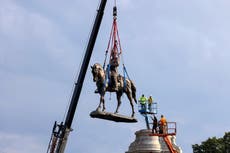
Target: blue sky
{"type": "Point", "coordinates": [177, 51]}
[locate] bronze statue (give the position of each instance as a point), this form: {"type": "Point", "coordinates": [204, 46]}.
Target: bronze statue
{"type": "Point", "coordinates": [99, 76]}
{"type": "Point", "coordinates": [114, 63]}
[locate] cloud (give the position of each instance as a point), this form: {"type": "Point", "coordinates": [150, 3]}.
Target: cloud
{"type": "Point", "coordinates": [177, 51]}
{"type": "Point", "coordinates": [16, 143]}
{"type": "Point", "coordinates": [32, 34]}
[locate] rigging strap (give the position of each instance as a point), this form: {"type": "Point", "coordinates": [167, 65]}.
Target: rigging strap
{"type": "Point", "coordinates": [115, 49]}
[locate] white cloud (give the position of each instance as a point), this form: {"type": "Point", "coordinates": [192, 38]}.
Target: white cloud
{"type": "Point", "coordinates": [25, 33]}
{"type": "Point", "coordinates": [18, 143]}
{"type": "Point", "coordinates": [178, 51]}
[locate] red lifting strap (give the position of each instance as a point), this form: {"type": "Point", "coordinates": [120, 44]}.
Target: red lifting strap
{"type": "Point", "coordinates": [114, 44]}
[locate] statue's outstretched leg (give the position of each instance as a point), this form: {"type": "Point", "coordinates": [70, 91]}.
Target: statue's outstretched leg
{"type": "Point", "coordinates": [102, 101]}
{"type": "Point", "coordinates": [119, 94]}
{"type": "Point", "coordinates": [129, 95]}
{"type": "Point", "coordinates": [99, 106]}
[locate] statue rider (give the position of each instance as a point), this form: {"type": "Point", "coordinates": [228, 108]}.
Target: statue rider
{"type": "Point", "coordinates": [114, 63]}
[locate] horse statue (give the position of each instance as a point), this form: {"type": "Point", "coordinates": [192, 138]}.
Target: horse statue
{"type": "Point", "coordinates": [124, 86]}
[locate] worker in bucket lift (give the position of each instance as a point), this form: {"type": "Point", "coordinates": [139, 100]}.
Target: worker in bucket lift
{"type": "Point", "coordinates": [162, 125]}
{"type": "Point", "coordinates": [150, 102]}
{"type": "Point", "coordinates": [155, 124]}
{"type": "Point", "coordinates": [143, 101]}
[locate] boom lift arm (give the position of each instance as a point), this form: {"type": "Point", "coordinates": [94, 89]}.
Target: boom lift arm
{"type": "Point", "coordinates": [61, 131]}
{"type": "Point", "coordinates": [169, 144]}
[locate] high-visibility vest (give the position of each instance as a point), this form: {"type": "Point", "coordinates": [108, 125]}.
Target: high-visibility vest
{"type": "Point", "coordinates": [143, 100]}
{"type": "Point", "coordinates": [163, 121]}
{"type": "Point", "coordinates": [150, 100]}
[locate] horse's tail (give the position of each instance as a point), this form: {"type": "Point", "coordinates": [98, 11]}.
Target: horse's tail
{"type": "Point", "coordinates": [133, 91]}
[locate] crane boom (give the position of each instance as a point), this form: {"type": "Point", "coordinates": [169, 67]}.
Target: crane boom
{"type": "Point", "coordinates": [61, 131]}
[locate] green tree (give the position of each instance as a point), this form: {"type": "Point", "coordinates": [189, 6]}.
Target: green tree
{"type": "Point", "coordinates": [214, 145]}
{"type": "Point", "coordinates": [226, 141]}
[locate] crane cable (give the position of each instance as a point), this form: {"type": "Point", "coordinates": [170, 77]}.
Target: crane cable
{"type": "Point", "coordinates": [115, 49]}
{"type": "Point", "coordinates": [113, 36]}
{"type": "Point", "coordinates": [110, 38]}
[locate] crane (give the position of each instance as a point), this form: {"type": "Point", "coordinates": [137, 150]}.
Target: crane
{"type": "Point", "coordinates": [61, 130]}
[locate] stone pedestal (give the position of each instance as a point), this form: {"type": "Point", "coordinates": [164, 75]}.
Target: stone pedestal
{"type": "Point", "coordinates": [145, 143]}
{"type": "Point", "coordinates": [178, 148]}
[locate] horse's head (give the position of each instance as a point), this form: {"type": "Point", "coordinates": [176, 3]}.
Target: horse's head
{"type": "Point", "coordinates": [97, 72]}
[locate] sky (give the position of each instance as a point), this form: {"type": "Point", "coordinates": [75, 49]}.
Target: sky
{"type": "Point", "coordinates": [177, 51]}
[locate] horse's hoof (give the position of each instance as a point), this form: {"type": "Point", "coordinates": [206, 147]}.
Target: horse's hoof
{"type": "Point", "coordinates": [115, 112]}
{"type": "Point", "coordinates": [96, 91]}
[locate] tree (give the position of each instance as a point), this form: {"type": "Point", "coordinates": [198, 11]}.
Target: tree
{"type": "Point", "coordinates": [226, 141]}
{"type": "Point", "coordinates": [214, 145]}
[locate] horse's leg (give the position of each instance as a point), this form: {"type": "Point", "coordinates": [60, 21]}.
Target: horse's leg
{"type": "Point", "coordinates": [103, 103]}
{"type": "Point", "coordinates": [119, 94]}
{"type": "Point", "coordinates": [129, 95]}
{"type": "Point", "coordinates": [101, 100]}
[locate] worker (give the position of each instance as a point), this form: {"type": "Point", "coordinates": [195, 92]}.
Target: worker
{"type": "Point", "coordinates": [150, 102]}
{"type": "Point", "coordinates": [155, 124]}
{"type": "Point", "coordinates": [163, 125]}
{"type": "Point", "coordinates": [142, 101]}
